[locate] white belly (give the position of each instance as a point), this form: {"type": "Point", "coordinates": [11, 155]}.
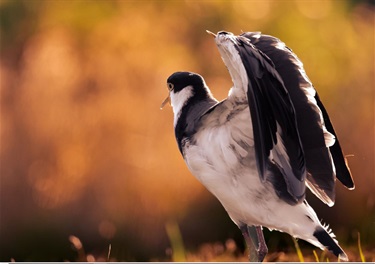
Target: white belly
{"type": "Point", "coordinates": [246, 199]}
{"type": "Point", "coordinates": [222, 158]}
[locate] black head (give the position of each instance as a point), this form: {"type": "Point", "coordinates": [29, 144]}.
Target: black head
{"type": "Point", "coordinates": [179, 80]}
{"type": "Point", "coordinates": [184, 87]}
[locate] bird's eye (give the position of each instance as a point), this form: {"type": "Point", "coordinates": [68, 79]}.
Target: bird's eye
{"type": "Point", "coordinates": [170, 86]}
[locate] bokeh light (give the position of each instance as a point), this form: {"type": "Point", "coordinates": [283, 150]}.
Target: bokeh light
{"type": "Point", "coordinates": [87, 157]}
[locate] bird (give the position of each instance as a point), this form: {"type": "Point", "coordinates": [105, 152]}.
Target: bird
{"type": "Point", "coordinates": [258, 149]}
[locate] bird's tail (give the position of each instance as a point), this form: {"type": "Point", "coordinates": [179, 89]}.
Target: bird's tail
{"type": "Point", "coordinates": [327, 239]}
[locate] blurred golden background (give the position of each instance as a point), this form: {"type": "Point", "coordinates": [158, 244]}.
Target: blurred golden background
{"type": "Point", "coordinates": [85, 150]}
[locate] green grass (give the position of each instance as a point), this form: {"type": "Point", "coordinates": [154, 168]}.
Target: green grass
{"type": "Point", "coordinates": [229, 252]}
{"type": "Point", "coordinates": [360, 248]}
{"type": "Point", "coordinates": [298, 250]}
{"type": "Point", "coordinates": [175, 238]}
{"type": "Point", "coordinates": [209, 253]}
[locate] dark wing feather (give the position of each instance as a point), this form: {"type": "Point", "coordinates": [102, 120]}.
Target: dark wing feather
{"type": "Point", "coordinates": [273, 118]}
{"type": "Point", "coordinates": [321, 177]}
{"type": "Point", "coordinates": [342, 169]}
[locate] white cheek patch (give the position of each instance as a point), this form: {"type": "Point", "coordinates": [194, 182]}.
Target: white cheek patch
{"type": "Point", "coordinates": [179, 99]}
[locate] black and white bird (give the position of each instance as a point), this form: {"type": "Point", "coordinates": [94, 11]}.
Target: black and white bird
{"type": "Point", "coordinates": [258, 149]}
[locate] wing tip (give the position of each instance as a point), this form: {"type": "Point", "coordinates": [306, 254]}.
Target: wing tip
{"type": "Point", "coordinates": [345, 175]}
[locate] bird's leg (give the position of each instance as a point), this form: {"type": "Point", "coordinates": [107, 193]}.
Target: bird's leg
{"type": "Point", "coordinates": [251, 244]}
{"type": "Point", "coordinates": [262, 249]}
{"type": "Point", "coordinates": [254, 238]}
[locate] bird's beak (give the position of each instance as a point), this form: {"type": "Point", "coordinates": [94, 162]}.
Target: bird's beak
{"type": "Point", "coordinates": [212, 34]}
{"type": "Point", "coordinates": [166, 100]}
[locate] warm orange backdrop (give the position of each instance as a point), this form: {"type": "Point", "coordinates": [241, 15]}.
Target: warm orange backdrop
{"type": "Point", "coordinates": [86, 151]}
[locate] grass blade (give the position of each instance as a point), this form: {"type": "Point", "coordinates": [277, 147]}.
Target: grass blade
{"type": "Point", "coordinates": [299, 252]}
{"type": "Point", "coordinates": [109, 251]}
{"type": "Point", "coordinates": [175, 238]}
{"type": "Point", "coordinates": [316, 256]}
{"type": "Point", "coordinates": [360, 249]}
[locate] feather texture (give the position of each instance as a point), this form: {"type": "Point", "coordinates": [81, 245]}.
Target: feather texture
{"type": "Point", "coordinates": [272, 113]}
{"type": "Point", "coordinates": [324, 158]}
{"type": "Point", "coordinates": [258, 149]}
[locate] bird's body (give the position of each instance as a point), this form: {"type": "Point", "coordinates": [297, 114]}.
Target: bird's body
{"type": "Point", "coordinates": [259, 177]}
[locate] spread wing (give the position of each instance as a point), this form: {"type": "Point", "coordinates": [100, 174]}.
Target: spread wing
{"type": "Point", "coordinates": [323, 154]}
{"type": "Point", "coordinates": [276, 137]}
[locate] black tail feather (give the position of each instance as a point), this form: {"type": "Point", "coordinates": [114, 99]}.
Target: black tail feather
{"type": "Point", "coordinates": [331, 244]}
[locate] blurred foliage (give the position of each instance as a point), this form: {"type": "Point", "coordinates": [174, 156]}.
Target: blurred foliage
{"type": "Point", "coordinates": [85, 151]}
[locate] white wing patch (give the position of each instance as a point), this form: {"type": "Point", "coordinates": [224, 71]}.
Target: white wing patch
{"type": "Point", "coordinates": [233, 61]}
{"type": "Point", "coordinates": [279, 150]}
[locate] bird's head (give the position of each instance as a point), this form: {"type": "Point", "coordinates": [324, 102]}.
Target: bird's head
{"type": "Point", "coordinates": [183, 86]}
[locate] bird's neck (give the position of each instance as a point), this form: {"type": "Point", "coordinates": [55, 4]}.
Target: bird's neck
{"type": "Point", "coordinates": [188, 119]}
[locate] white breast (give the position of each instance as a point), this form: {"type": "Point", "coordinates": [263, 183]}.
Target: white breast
{"type": "Point", "coordinates": [222, 158]}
